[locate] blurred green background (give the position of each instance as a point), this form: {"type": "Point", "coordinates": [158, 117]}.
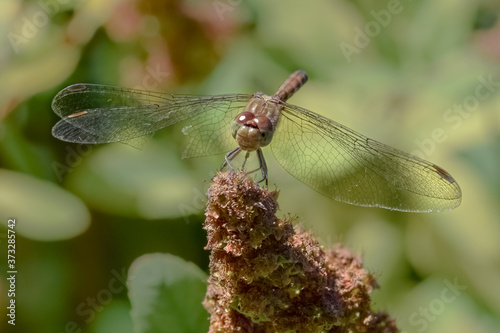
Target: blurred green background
{"type": "Point", "coordinates": [406, 73]}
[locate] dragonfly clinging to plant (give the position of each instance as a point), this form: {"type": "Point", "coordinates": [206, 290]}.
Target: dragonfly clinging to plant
{"type": "Point", "coordinates": [327, 156]}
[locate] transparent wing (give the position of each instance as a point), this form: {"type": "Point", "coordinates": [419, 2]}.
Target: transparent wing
{"type": "Point", "coordinates": [100, 114]}
{"type": "Point", "coordinates": [347, 166]}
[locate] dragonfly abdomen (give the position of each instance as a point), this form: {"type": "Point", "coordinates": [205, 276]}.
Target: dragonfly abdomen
{"type": "Point", "coordinates": [291, 85]}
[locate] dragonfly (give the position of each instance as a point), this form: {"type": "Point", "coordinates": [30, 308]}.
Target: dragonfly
{"type": "Point", "coordinates": [329, 157]}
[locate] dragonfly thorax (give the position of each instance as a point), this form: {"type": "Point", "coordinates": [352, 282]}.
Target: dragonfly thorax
{"type": "Point", "coordinates": [252, 132]}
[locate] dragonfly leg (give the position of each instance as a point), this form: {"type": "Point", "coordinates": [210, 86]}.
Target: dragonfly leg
{"type": "Point", "coordinates": [229, 157]}
{"type": "Point", "coordinates": [262, 166]}
{"type": "Point", "coordinates": [245, 160]}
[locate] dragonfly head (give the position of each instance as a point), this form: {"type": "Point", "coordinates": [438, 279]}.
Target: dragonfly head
{"type": "Point", "coordinates": [252, 132]}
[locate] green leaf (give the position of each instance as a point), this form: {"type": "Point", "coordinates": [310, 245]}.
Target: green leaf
{"type": "Point", "coordinates": [166, 294]}
{"type": "Point", "coordinates": [42, 210]}
{"type": "Point", "coordinates": [114, 318]}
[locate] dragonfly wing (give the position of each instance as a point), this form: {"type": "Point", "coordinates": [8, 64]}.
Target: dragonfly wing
{"type": "Point", "coordinates": [349, 167]}
{"type": "Point", "coordinates": [98, 125]}
{"type": "Point", "coordinates": [83, 96]}
{"type": "Point", "coordinates": [209, 132]}
{"type": "Point", "coordinates": [100, 114]}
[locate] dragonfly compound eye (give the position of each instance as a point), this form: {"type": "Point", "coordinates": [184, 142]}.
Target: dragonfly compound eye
{"type": "Point", "coordinates": [240, 120]}
{"type": "Point", "coordinates": [266, 129]}
{"type": "Point", "coordinates": [244, 117]}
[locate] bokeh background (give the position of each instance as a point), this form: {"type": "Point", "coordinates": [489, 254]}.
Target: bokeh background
{"type": "Point", "coordinates": [422, 76]}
